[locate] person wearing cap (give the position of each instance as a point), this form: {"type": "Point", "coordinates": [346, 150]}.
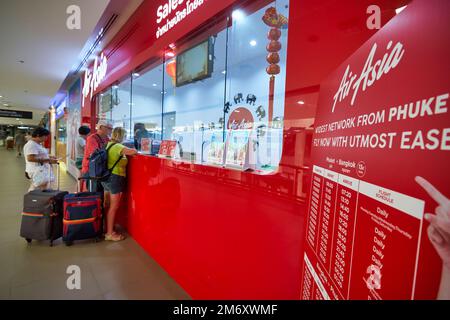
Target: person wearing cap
{"type": "Point", "coordinates": [95, 141]}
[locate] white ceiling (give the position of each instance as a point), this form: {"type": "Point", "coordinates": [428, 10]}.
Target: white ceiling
{"type": "Point", "coordinates": [35, 31]}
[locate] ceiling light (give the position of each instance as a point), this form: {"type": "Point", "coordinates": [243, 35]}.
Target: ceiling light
{"type": "Point", "coordinates": [170, 54]}
{"type": "Point", "coordinates": [5, 104]}
{"type": "Point", "coordinates": [224, 72]}
{"type": "Point", "coordinates": [301, 102]}
{"type": "Point", "coordinates": [237, 15]}
{"type": "Point", "coordinates": [398, 10]}
{"type": "Point", "coordinates": [154, 84]}
{"type": "Point", "coordinates": [253, 43]}
{"type": "Point", "coordinates": [1, 96]}
{"type": "Point", "coordinates": [136, 74]}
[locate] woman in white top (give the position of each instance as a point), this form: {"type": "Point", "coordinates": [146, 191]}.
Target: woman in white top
{"type": "Point", "coordinates": [36, 155]}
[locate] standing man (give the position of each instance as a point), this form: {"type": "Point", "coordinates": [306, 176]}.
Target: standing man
{"type": "Point", "coordinates": [95, 141]}
{"type": "Point", "coordinates": [20, 141]}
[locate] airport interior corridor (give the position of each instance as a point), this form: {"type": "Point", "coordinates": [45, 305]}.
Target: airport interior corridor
{"type": "Point", "coordinates": [109, 270]}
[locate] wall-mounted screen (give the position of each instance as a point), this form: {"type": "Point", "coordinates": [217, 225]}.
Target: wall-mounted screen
{"type": "Point", "coordinates": [195, 63]}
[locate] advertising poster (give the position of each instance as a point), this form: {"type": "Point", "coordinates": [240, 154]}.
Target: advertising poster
{"type": "Point", "coordinates": [377, 223]}
{"type": "Point", "coordinates": [73, 123]}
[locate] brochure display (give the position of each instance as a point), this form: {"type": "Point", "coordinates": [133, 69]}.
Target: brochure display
{"type": "Point", "coordinates": [216, 149]}
{"type": "Point", "coordinates": [237, 148]}
{"type": "Point", "coordinates": [146, 144]}
{"type": "Point", "coordinates": [167, 148]}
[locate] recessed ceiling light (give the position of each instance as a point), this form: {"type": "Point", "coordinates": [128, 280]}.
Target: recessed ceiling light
{"type": "Point", "coordinates": [170, 54]}
{"type": "Point", "coordinates": [154, 84]}
{"type": "Point", "coordinates": [398, 10]}
{"type": "Point", "coordinates": [136, 74]}
{"type": "Point", "coordinates": [237, 15]}
{"type": "Point", "coordinates": [253, 43]}
{"type": "Point", "coordinates": [301, 102]}
{"type": "Point", "coordinates": [5, 104]}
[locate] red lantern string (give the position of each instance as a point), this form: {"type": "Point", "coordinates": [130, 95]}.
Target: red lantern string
{"type": "Point", "coordinates": [275, 21]}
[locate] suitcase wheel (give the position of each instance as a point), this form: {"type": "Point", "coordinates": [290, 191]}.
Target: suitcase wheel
{"type": "Point", "coordinates": [28, 240]}
{"type": "Point", "coordinates": [69, 243]}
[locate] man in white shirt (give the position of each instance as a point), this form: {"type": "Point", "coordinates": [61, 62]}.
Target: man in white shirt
{"type": "Point", "coordinates": [36, 155]}
{"type": "Point", "coordinates": [83, 132]}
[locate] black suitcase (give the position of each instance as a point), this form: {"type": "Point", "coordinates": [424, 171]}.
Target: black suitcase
{"type": "Point", "coordinates": [42, 215]}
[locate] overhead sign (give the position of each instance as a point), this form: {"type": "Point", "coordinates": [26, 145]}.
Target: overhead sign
{"type": "Point", "coordinates": [16, 114]}
{"type": "Point", "coordinates": [92, 79]}
{"type": "Point", "coordinates": [380, 164]}
{"type": "Point", "coordinates": [178, 10]}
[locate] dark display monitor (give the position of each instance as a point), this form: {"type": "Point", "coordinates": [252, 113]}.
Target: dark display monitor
{"type": "Point", "coordinates": [195, 63]}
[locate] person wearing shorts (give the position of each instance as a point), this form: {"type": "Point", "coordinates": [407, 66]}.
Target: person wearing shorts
{"type": "Point", "coordinates": [115, 185]}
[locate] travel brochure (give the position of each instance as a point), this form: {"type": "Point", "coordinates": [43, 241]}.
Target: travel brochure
{"type": "Point", "coordinates": [237, 148]}
{"type": "Point", "coordinates": [167, 148]}
{"type": "Point", "coordinates": [216, 149]}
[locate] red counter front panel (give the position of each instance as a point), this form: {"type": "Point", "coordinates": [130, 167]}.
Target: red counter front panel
{"type": "Point", "coordinates": [220, 233]}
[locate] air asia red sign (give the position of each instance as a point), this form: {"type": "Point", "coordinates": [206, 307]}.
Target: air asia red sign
{"type": "Point", "coordinates": [377, 224]}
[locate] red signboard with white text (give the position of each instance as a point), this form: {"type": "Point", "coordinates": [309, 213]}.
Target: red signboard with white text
{"type": "Point", "coordinates": [377, 224]}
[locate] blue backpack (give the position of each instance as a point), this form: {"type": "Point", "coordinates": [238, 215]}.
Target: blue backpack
{"type": "Point", "coordinates": [98, 164]}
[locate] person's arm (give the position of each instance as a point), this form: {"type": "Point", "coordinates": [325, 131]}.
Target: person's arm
{"type": "Point", "coordinates": [35, 158]}
{"type": "Point", "coordinates": [128, 151]}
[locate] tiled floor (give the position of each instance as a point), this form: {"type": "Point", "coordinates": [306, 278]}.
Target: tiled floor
{"type": "Point", "coordinates": [120, 270]}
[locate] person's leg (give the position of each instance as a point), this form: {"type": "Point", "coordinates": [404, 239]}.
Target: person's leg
{"type": "Point", "coordinates": [112, 210]}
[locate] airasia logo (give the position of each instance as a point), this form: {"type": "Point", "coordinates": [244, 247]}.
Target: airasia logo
{"type": "Point", "coordinates": [241, 118]}
{"type": "Point", "coordinates": [372, 72]}
{"type": "Point", "coordinates": [93, 79]}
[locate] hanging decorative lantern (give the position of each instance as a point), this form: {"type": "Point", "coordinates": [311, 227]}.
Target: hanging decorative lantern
{"type": "Point", "coordinates": [273, 69]}
{"type": "Point", "coordinates": [274, 34]}
{"type": "Point", "coordinates": [274, 46]}
{"type": "Point", "coordinates": [273, 58]}
{"type": "Point", "coordinates": [171, 69]}
{"type": "Point", "coordinates": [275, 21]}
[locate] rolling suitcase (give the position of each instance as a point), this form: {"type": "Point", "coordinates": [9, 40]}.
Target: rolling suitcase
{"type": "Point", "coordinates": [42, 215]}
{"type": "Point", "coordinates": [83, 216]}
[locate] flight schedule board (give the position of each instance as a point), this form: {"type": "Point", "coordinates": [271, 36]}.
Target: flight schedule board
{"type": "Point", "coordinates": [379, 200]}
{"type": "Point", "coordinates": [362, 234]}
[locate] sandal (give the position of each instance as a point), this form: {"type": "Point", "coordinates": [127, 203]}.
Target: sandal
{"type": "Point", "coordinates": [114, 237]}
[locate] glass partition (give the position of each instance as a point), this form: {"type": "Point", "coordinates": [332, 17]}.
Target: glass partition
{"type": "Point", "coordinates": [121, 105]}
{"type": "Point", "coordinates": [218, 94]}
{"type": "Point", "coordinates": [147, 103]}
